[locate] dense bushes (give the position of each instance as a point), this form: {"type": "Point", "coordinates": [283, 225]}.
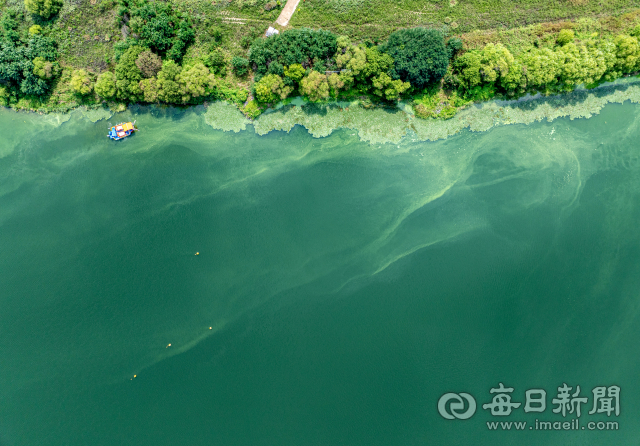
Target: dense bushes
{"type": "Point", "coordinates": [420, 55]}
{"type": "Point", "coordinates": [43, 8]}
{"type": "Point", "coordinates": [148, 63]}
{"type": "Point", "coordinates": [18, 71]}
{"type": "Point", "coordinates": [240, 65]}
{"type": "Point", "coordinates": [81, 82]}
{"type": "Point", "coordinates": [106, 85]}
{"type": "Point", "coordinates": [128, 75]}
{"type": "Point", "coordinates": [547, 70]}
{"type": "Point", "coordinates": [307, 47]}
{"type": "Point", "coordinates": [160, 28]}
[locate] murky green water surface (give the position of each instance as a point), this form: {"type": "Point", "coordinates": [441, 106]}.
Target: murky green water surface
{"type": "Point", "coordinates": [341, 287]}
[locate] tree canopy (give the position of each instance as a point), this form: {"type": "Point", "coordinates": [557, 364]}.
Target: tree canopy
{"type": "Point", "coordinates": [162, 29]}
{"type": "Point", "coordinates": [420, 55]}
{"type": "Point", "coordinates": [303, 46]}
{"type": "Point", "coordinates": [43, 8]}
{"type": "Point", "coordinates": [17, 68]}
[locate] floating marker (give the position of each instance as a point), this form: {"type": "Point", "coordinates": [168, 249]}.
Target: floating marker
{"type": "Point", "coordinates": [197, 253]}
{"type": "Point", "coordinates": [168, 346]}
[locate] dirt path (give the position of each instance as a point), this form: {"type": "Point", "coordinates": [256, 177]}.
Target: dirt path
{"type": "Point", "coordinates": [287, 12]}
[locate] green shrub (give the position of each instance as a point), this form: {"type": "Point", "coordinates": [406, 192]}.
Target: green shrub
{"type": "Point", "coordinates": [35, 29]}
{"type": "Point", "coordinates": [149, 89]}
{"type": "Point", "coordinates": [169, 89]}
{"type": "Point", "coordinates": [454, 45]}
{"type": "Point", "coordinates": [106, 85]}
{"type": "Point", "coordinates": [81, 82]}
{"type": "Point", "coordinates": [565, 36]}
{"type": "Point", "coordinates": [43, 8]}
{"type": "Point", "coordinates": [295, 46]}
{"type": "Point", "coordinates": [215, 62]}
{"type": "Point", "coordinates": [271, 88]}
{"type": "Point", "coordinates": [196, 82]}
{"type": "Point", "coordinates": [45, 69]}
{"type": "Point", "coordinates": [377, 63]}
{"type": "Point", "coordinates": [294, 72]}
{"type": "Point", "coordinates": [10, 23]}
{"type": "Point", "coordinates": [252, 110]}
{"type": "Point", "coordinates": [245, 41]}
{"type": "Point", "coordinates": [4, 96]}
{"type": "Point", "coordinates": [106, 5]}
{"type": "Point", "coordinates": [388, 88]}
{"type": "Point", "coordinates": [148, 63]}
{"type": "Point", "coordinates": [419, 55]}
{"type": "Point", "coordinates": [17, 67]}
{"type": "Point", "coordinates": [162, 29]}
{"type": "Point", "coordinates": [240, 65]}
{"type": "Point", "coordinates": [315, 86]}
{"type": "Point", "coordinates": [128, 75]}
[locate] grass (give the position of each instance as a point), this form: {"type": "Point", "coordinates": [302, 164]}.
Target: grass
{"type": "Point", "coordinates": [376, 19]}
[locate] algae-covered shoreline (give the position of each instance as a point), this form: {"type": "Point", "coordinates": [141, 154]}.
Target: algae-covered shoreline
{"type": "Point", "coordinates": [385, 125]}
{"type": "Point", "coordinates": [381, 125]}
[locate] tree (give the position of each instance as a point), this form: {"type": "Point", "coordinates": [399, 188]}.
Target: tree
{"type": "Point", "coordinates": [35, 29]}
{"type": "Point", "coordinates": [195, 82]}
{"type": "Point", "coordinates": [377, 62]}
{"type": "Point", "coordinates": [468, 66]}
{"type": "Point", "coordinates": [350, 57]}
{"type": "Point", "coordinates": [162, 29]}
{"type": "Point", "coordinates": [454, 45]}
{"type": "Point", "coordinates": [296, 46]}
{"type": "Point", "coordinates": [294, 72]}
{"type": "Point", "coordinates": [495, 62]}
{"type": "Point", "coordinates": [215, 62]}
{"type": "Point", "coordinates": [565, 36]}
{"type": "Point", "coordinates": [337, 83]}
{"type": "Point", "coordinates": [169, 89]}
{"type": "Point", "coordinates": [17, 67]}
{"type": "Point", "coordinates": [106, 85]}
{"type": "Point", "coordinates": [128, 75]}
{"type": "Point", "coordinates": [271, 88]}
{"type": "Point", "coordinates": [240, 65]}
{"type": "Point", "coordinates": [149, 89]}
{"type": "Point", "coordinates": [627, 52]}
{"type": "Point", "coordinates": [43, 8]}
{"type": "Point", "coordinates": [81, 82]}
{"type": "Point", "coordinates": [315, 86]}
{"type": "Point", "coordinates": [148, 63]}
{"type": "Point", "coordinates": [541, 68]}
{"type": "Point", "coordinates": [388, 88]}
{"type": "Point", "coordinates": [580, 65]}
{"type": "Point", "coordinates": [419, 55]}
{"type": "Point", "coordinates": [10, 22]}
{"type": "Point", "coordinates": [45, 69]}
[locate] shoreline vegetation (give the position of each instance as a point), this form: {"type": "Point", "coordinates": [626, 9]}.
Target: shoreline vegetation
{"type": "Point", "coordinates": [57, 55]}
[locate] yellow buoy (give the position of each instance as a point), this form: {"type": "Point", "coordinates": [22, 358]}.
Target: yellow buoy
{"type": "Point", "coordinates": [210, 328]}
{"type": "Point", "coordinates": [168, 346]}
{"type": "Point", "coordinates": [135, 376]}
{"type": "Point", "coordinates": [197, 253]}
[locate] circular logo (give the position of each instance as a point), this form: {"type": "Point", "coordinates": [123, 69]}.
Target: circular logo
{"type": "Point", "coordinates": [454, 409]}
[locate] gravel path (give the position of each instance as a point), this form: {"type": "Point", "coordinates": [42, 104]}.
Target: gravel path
{"type": "Point", "coordinates": [287, 12]}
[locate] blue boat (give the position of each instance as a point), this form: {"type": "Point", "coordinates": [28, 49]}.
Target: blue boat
{"type": "Point", "coordinates": [122, 130]}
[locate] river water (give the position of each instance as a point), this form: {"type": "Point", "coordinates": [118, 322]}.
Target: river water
{"type": "Point", "coordinates": [341, 287]}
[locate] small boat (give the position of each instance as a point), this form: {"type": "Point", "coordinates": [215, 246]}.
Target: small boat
{"type": "Point", "coordinates": [122, 130]}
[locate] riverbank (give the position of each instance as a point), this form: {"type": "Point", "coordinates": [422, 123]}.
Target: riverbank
{"type": "Point", "coordinates": [388, 125]}
{"type": "Point", "coordinates": [493, 61]}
